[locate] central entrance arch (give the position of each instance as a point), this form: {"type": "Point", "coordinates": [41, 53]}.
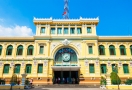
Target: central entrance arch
{"type": "Point", "coordinates": [66, 67]}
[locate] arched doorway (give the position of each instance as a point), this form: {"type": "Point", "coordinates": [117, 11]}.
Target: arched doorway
{"type": "Point", "coordinates": [66, 67]}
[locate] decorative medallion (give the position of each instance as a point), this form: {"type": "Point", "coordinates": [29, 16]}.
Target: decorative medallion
{"type": "Point", "coordinates": [130, 63]}
{"type": "Point", "coordinates": [11, 64]}
{"type": "Point", "coordinates": [120, 64]}
{"type": "Point", "coordinates": [35, 62]}
{"type": "Point", "coordinates": [23, 64]}
{"type": "Point", "coordinates": [86, 63]}
{"type": "Point", "coordinates": [45, 62]}
{"type": "Point", "coordinates": [66, 42]}
{"type": "Point", "coordinates": [1, 63]}
{"type": "Point", "coordinates": [109, 64]}
{"type": "Point", "coordinates": [97, 62]}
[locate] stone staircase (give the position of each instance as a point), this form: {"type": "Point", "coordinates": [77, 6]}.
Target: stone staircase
{"type": "Point", "coordinates": [68, 86]}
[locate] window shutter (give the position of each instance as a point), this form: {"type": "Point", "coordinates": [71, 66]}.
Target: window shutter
{"type": "Point", "coordinates": [0, 50]}
{"type": "Point", "coordinates": [124, 51]}
{"type": "Point", "coordinates": [40, 68]}
{"type": "Point", "coordinates": [91, 67]}
{"type": "Point", "coordinates": [125, 68]}
{"type": "Point", "coordinates": [90, 50]}
{"type": "Point", "coordinates": [6, 68]}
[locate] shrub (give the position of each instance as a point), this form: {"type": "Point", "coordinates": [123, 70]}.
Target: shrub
{"type": "Point", "coordinates": [115, 80]}
{"type": "Point", "coordinates": [103, 81]}
{"type": "Point", "coordinates": [128, 81]}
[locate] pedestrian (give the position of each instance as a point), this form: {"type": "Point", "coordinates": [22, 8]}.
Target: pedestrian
{"type": "Point", "coordinates": [58, 80]}
{"type": "Point", "coordinates": [31, 82]}
{"type": "Point", "coordinates": [67, 80]}
{"type": "Point", "coordinates": [63, 80]}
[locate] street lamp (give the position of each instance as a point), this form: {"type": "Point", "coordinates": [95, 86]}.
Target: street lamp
{"type": "Point", "coordinates": [116, 69]}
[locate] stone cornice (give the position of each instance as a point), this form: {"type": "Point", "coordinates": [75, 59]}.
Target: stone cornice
{"type": "Point", "coordinates": [115, 38]}
{"type": "Point", "coordinates": [4, 39]}
{"type": "Point", "coordinates": [66, 21]}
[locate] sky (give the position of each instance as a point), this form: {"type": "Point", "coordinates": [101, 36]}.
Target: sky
{"type": "Point", "coordinates": [16, 16]}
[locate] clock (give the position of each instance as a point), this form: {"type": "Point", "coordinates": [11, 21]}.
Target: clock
{"type": "Point", "coordinates": [66, 56]}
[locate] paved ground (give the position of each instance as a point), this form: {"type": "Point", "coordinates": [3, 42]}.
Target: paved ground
{"type": "Point", "coordinates": [65, 89]}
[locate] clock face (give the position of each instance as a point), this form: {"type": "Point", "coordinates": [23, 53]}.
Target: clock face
{"type": "Point", "coordinates": [66, 56]}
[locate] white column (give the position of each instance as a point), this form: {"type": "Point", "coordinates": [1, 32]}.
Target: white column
{"type": "Point", "coordinates": [62, 29]}
{"type": "Point", "coordinates": [56, 30]}
{"type": "Point", "coordinates": [75, 29]}
{"type": "Point", "coordinates": [69, 29]}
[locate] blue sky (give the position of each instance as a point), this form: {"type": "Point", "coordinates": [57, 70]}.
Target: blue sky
{"type": "Point", "coordinates": [115, 16]}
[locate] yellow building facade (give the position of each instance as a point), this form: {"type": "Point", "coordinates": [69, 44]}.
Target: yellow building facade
{"type": "Point", "coordinates": [65, 48]}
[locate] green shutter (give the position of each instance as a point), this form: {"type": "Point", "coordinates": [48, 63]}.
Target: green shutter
{"type": "Point", "coordinates": [0, 49]}
{"type": "Point", "coordinates": [17, 68]}
{"type": "Point", "coordinates": [41, 49]}
{"type": "Point", "coordinates": [114, 69]}
{"type": "Point", "coordinates": [30, 48]}
{"type": "Point", "coordinates": [124, 50]}
{"type": "Point", "coordinates": [125, 68]}
{"type": "Point", "coordinates": [28, 68]}
{"type": "Point", "coordinates": [90, 50]}
{"type": "Point", "coordinates": [131, 49]}
{"type": "Point", "coordinates": [6, 68]}
{"type": "Point", "coordinates": [91, 68]}
{"type": "Point", "coordinates": [40, 68]}
{"type": "Point", "coordinates": [103, 68]}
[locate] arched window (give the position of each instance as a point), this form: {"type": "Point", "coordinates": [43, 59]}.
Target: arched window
{"type": "Point", "coordinates": [131, 49]}
{"type": "Point", "coordinates": [20, 50]}
{"type": "Point", "coordinates": [17, 68]}
{"type": "Point", "coordinates": [28, 68]}
{"type": "Point", "coordinates": [112, 50]}
{"type": "Point", "coordinates": [101, 50]}
{"type": "Point", "coordinates": [0, 49]}
{"type": "Point", "coordinates": [103, 68]}
{"type": "Point", "coordinates": [9, 50]}
{"type": "Point", "coordinates": [30, 50]}
{"type": "Point", "coordinates": [6, 68]}
{"type": "Point", "coordinates": [122, 50]}
{"type": "Point", "coordinates": [115, 68]}
{"type": "Point", "coordinates": [125, 68]}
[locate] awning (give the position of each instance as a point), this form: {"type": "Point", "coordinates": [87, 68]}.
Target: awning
{"type": "Point", "coordinates": [66, 68]}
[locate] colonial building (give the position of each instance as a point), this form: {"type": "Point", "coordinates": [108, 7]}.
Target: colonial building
{"type": "Point", "coordinates": [65, 48]}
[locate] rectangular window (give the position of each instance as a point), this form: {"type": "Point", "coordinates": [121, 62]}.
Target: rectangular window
{"type": "Point", "coordinates": [0, 51]}
{"type": "Point", "coordinates": [90, 49]}
{"type": "Point", "coordinates": [17, 68]}
{"type": "Point", "coordinates": [125, 68]}
{"type": "Point", "coordinates": [65, 30]}
{"type": "Point", "coordinates": [42, 30]}
{"type": "Point", "coordinates": [131, 50]}
{"type": "Point", "coordinates": [52, 31]}
{"type": "Point", "coordinates": [41, 49]}
{"type": "Point", "coordinates": [103, 68]}
{"type": "Point", "coordinates": [114, 68]}
{"type": "Point", "coordinates": [79, 31]}
{"type": "Point", "coordinates": [6, 68]}
{"type": "Point", "coordinates": [89, 30]}
{"type": "Point", "coordinates": [28, 68]}
{"type": "Point", "coordinates": [59, 31]}
{"type": "Point", "coordinates": [40, 68]}
{"type": "Point", "coordinates": [72, 31]}
{"type": "Point", "coordinates": [91, 68]}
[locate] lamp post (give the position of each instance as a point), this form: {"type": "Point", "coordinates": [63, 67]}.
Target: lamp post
{"type": "Point", "coordinates": [116, 69]}
{"type": "Point", "coordinates": [12, 74]}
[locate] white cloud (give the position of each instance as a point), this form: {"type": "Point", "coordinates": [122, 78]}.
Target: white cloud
{"type": "Point", "coordinates": [15, 31]}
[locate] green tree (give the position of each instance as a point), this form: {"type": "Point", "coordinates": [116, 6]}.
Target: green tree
{"type": "Point", "coordinates": [115, 80]}
{"type": "Point", "coordinates": [103, 81]}
{"type": "Point", "coordinates": [14, 79]}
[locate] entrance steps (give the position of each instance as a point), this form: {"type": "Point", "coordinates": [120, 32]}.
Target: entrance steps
{"type": "Point", "coordinates": [69, 86]}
